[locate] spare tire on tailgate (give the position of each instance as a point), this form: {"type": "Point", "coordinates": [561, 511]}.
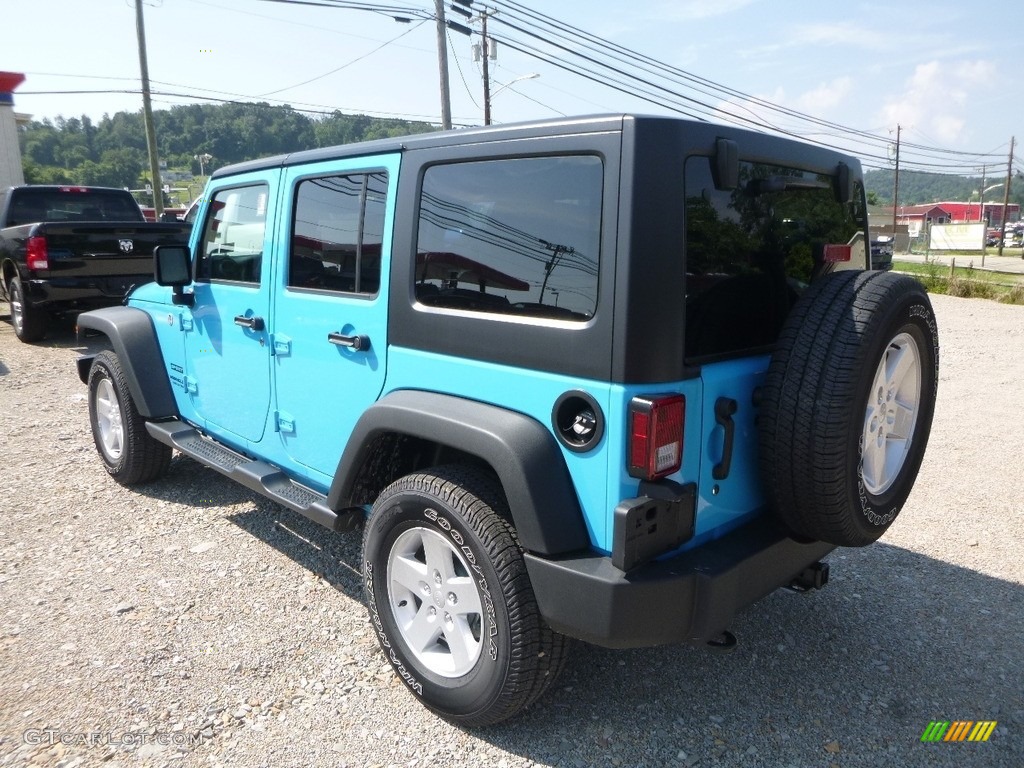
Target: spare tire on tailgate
{"type": "Point", "coordinates": [847, 405]}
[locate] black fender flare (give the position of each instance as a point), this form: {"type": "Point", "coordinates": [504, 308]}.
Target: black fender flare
{"type": "Point", "coordinates": [524, 454]}
{"type": "Point", "coordinates": [134, 340]}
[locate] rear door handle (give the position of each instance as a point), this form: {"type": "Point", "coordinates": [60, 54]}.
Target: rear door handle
{"type": "Point", "coordinates": [358, 343]}
{"type": "Point", "coordinates": [724, 409]}
{"type": "Point", "coordinates": [252, 323]}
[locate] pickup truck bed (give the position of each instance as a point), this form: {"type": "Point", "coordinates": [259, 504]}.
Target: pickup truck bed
{"type": "Point", "coordinates": [74, 259]}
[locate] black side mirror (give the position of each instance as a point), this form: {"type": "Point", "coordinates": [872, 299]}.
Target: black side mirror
{"type": "Point", "coordinates": [172, 266]}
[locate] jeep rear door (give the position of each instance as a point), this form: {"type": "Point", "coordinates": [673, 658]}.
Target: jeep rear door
{"type": "Point", "coordinates": [331, 305]}
{"type": "Point", "coordinates": [750, 253]}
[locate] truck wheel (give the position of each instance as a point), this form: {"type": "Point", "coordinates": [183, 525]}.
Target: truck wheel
{"type": "Point", "coordinates": [848, 404]}
{"type": "Point", "coordinates": [29, 322]}
{"type": "Point", "coordinates": [129, 453]}
{"type": "Point", "coordinates": [450, 600]}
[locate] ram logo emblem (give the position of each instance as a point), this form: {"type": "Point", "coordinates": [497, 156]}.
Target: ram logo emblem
{"type": "Point", "coordinates": [127, 246]}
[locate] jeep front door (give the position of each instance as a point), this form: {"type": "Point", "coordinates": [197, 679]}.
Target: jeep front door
{"type": "Point", "coordinates": [228, 358]}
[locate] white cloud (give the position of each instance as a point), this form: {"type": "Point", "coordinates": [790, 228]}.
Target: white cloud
{"type": "Point", "coordinates": [935, 100]}
{"type": "Point", "coordinates": [825, 96]}
{"type": "Point", "coordinates": [693, 10]}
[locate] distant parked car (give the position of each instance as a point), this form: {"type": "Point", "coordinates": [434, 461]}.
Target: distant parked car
{"type": "Point", "coordinates": [881, 251]}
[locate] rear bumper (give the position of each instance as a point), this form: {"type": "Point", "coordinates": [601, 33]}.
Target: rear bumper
{"type": "Point", "coordinates": [691, 597]}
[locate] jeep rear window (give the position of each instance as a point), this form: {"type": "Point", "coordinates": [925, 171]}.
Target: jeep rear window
{"type": "Point", "coordinates": [518, 236]}
{"type": "Point", "coordinates": [751, 251]}
{"type": "Point", "coordinates": [337, 233]}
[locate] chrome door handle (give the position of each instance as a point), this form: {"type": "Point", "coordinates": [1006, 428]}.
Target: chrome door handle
{"type": "Point", "coordinates": [252, 323]}
{"type": "Point", "coordinates": [358, 343]}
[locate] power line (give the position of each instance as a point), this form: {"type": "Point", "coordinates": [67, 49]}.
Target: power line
{"type": "Point", "coordinates": [322, 110]}
{"type": "Point", "coordinates": [573, 41]}
{"type": "Point", "coordinates": [346, 64]}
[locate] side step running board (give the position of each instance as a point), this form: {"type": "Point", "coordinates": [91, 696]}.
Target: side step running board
{"type": "Point", "coordinates": [256, 475]}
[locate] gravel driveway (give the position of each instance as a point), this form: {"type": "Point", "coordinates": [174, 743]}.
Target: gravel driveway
{"type": "Point", "coordinates": [192, 623]}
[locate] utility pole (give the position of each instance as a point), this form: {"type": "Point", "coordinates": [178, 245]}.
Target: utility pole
{"type": "Point", "coordinates": [147, 114]}
{"type": "Point", "coordinates": [485, 52]}
{"type": "Point", "coordinates": [557, 251]}
{"type": "Point", "coordinates": [1006, 198]}
{"type": "Point", "coordinates": [981, 200]}
{"type": "Point", "coordinates": [442, 65]}
{"type": "Point", "coordinates": [896, 187]}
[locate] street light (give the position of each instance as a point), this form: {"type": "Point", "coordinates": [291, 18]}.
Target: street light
{"type": "Point", "coordinates": [203, 159]}
{"type": "Point", "coordinates": [489, 95]}
{"type": "Point", "coordinates": [531, 76]}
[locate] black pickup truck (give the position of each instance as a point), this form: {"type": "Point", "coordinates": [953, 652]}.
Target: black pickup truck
{"type": "Point", "coordinates": [67, 248]}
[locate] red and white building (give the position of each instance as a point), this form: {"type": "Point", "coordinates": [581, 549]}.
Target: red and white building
{"type": "Point", "coordinates": [918, 217]}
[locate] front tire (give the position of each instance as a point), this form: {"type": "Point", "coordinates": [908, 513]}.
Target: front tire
{"type": "Point", "coordinates": [29, 322]}
{"type": "Point", "coordinates": [450, 599]}
{"type": "Point", "coordinates": [130, 455]}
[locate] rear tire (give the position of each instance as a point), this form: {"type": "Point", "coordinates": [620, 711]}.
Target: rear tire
{"type": "Point", "coordinates": [129, 453]}
{"type": "Point", "coordinates": [848, 405]}
{"type": "Point", "coordinates": [450, 599]}
{"type": "Point", "coordinates": [29, 322]}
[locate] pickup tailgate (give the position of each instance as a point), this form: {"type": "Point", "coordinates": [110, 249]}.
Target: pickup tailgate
{"type": "Point", "coordinates": [106, 250]}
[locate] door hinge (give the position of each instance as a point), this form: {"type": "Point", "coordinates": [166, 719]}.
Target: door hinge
{"type": "Point", "coordinates": [284, 422]}
{"type": "Point", "coordinates": [280, 344]}
{"type": "Point", "coordinates": [191, 385]}
{"type": "Point", "coordinates": [186, 322]}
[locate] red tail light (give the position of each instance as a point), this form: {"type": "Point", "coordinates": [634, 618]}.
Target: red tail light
{"type": "Point", "coordinates": [655, 435]}
{"type": "Point", "coordinates": [36, 256]}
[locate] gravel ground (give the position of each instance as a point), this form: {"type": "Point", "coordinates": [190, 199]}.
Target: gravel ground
{"type": "Point", "coordinates": [193, 611]}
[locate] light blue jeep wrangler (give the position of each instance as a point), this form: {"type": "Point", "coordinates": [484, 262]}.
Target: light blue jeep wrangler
{"type": "Point", "coordinates": [608, 378]}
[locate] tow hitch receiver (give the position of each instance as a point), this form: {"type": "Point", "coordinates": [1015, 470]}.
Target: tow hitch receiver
{"type": "Point", "coordinates": [812, 577]}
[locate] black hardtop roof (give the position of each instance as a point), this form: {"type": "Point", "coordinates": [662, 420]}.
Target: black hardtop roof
{"type": "Point", "coordinates": [755, 145]}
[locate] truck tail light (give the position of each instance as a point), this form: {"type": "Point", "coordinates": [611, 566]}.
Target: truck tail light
{"type": "Point", "coordinates": [36, 255]}
{"type": "Point", "coordinates": [655, 435]}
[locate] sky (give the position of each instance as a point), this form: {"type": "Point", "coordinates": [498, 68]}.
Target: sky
{"type": "Point", "coordinates": [943, 72]}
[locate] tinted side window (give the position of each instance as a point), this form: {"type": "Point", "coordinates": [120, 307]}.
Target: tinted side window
{"type": "Point", "coordinates": [513, 236]}
{"type": "Point", "coordinates": [337, 232]}
{"type": "Point", "coordinates": [750, 252]}
{"type": "Point", "coordinates": [232, 244]}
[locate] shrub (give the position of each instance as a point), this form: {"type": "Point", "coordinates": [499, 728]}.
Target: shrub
{"type": "Point", "coordinates": [1013, 296]}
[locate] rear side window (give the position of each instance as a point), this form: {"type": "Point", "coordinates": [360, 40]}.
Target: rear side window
{"type": "Point", "coordinates": [232, 244]}
{"type": "Point", "coordinates": [750, 252]}
{"type": "Point", "coordinates": [337, 233]}
{"type": "Point", "coordinates": [517, 236]}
